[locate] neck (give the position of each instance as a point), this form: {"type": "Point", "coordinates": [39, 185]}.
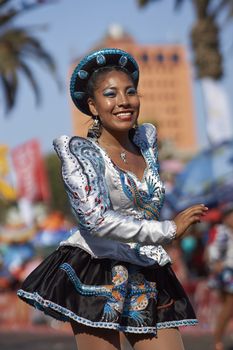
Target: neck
{"type": "Point", "coordinates": [117, 139]}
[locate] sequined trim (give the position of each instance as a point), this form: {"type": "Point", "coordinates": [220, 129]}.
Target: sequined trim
{"type": "Point", "coordinates": [180, 323]}
{"type": "Point", "coordinates": [66, 315]}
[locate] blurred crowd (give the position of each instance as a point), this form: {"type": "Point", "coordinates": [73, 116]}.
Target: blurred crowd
{"type": "Point", "coordinates": [202, 260]}
{"type": "Point", "coordinates": [23, 247]}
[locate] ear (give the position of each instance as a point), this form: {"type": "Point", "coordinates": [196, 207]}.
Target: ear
{"type": "Point", "coordinates": [92, 107]}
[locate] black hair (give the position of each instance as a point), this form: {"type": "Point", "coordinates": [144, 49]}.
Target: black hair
{"type": "Point", "coordinates": [100, 72]}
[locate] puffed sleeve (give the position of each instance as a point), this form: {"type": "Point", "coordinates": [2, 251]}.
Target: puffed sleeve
{"type": "Point", "coordinates": [83, 172]}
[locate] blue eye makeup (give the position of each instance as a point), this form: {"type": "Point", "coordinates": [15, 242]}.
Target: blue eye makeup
{"type": "Point", "coordinates": [109, 93]}
{"type": "Point", "coordinates": [112, 92]}
{"type": "Point", "coordinates": [131, 91]}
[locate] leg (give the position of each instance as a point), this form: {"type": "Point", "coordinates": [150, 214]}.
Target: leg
{"type": "Point", "coordinates": [166, 339]}
{"type": "Point", "coordinates": [223, 319]}
{"type": "Point", "coordinates": [95, 338]}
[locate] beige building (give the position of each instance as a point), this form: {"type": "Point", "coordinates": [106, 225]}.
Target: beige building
{"type": "Point", "coordinates": [165, 89]}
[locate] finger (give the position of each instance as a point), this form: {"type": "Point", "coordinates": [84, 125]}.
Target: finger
{"type": "Point", "coordinates": [190, 214]}
{"type": "Point", "coordinates": [195, 210]}
{"type": "Point", "coordinates": [194, 219]}
{"type": "Point", "coordinates": [196, 206]}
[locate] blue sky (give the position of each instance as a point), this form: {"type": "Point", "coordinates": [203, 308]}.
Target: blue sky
{"type": "Point", "coordinates": [74, 26]}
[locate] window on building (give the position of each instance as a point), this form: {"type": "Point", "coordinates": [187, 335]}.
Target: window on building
{"type": "Point", "coordinates": [144, 57]}
{"type": "Point", "coordinates": [160, 58]}
{"type": "Point", "coordinates": [175, 58]}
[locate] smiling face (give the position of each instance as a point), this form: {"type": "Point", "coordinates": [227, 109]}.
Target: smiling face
{"type": "Point", "coordinates": [115, 101]}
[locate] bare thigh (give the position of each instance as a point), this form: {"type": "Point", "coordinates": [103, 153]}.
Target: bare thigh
{"type": "Point", "coordinates": [166, 339]}
{"type": "Point", "coordinates": [89, 338]}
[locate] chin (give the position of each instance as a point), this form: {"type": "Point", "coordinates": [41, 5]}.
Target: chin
{"type": "Point", "coordinates": [124, 126]}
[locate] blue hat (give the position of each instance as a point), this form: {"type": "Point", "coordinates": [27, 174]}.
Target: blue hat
{"type": "Point", "coordinates": [90, 63]}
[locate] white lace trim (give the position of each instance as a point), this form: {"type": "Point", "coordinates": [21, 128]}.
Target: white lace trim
{"type": "Point", "coordinates": [67, 314]}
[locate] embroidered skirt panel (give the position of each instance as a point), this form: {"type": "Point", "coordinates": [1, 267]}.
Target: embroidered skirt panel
{"type": "Point", "coordinates": [71, 285]}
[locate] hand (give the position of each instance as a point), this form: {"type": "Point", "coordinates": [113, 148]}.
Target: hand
{"type": "Point", "coordinates": [188, 217]}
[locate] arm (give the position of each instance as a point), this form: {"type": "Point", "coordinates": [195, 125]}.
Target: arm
{"type": "Point", "coordinates": [83, 174]}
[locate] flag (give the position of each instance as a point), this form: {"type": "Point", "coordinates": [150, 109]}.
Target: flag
{"type": "Point", "coordinates": [30, 172]}
{"type": "Point", "coordinates": [7, 191]}
{"type": "Point", "coordinates": [219, 119]}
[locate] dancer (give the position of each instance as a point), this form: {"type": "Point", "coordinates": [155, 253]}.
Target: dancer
{"type": "Point", "coordinates": [113, 276]}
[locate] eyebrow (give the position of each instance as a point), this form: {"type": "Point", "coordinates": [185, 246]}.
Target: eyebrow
{"type": "Point", "coordinates": [115, 88]}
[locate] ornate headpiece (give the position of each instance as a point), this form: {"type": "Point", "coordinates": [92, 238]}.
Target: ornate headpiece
{"type": "Point", "coordinates": [89, 64]}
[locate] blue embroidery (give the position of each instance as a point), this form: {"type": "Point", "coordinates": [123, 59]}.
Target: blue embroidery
{"type": "Point", "coordinates": [151, 201]}
{"type": "Point", "coordinates": [147, 202]}
{"type": "Point", "coordinates": [80, 287]}
{"type": "Point", "coordinates": [128, 294]}
{"type": "Point", "coordinates": [88, 182]}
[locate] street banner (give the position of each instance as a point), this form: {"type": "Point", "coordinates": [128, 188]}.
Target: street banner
{"type": "Point", "coordinates": [7, 191]}
{"type": "Point", "coordinates": [30, 172]}
{"type": "Point", "coordinates": [219, 119]}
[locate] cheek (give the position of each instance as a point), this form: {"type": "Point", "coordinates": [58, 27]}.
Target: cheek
{"type": "Point", "coordinates": [136, 102]}
{"type": "Point", "coordinates": [109, 104]}
{"type": "Point", "coordinates": [106, 106]}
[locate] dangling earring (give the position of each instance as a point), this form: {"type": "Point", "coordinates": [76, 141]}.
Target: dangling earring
{"type": "Point", "coordinates": [136, 124]}
{"type": "Point", "coordinates": [94, 131]}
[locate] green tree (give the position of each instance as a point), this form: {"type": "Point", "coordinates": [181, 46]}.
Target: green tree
{"type": "Point", "coordinates": [17, 47]}
{"type": "Point", "coordinates": [205, 34]}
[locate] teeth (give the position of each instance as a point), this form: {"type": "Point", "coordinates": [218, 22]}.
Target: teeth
{"type": "Point", "coordinates": [123, 114]}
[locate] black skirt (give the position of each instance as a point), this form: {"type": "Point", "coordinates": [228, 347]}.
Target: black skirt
{"type": "Point", "coordinates": [71, 285]}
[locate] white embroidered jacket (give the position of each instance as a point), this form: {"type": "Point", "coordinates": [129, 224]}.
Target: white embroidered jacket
{"type": "Point", "coordinates": [117, 213]}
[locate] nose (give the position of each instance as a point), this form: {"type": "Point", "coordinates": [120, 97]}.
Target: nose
{"type": "Point", "coordinates": [122, 99]}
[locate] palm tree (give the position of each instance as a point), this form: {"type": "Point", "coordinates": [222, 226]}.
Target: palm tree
{"type": "Point", "coordinates": [17, 46]}
{"type": "Point", "coordinates": [205, 34]}
{"type": "Point", "coordinates": [209, 63]}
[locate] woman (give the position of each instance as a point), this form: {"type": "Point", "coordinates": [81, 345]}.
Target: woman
{"type": "Point", "coordinates": [112, 274]}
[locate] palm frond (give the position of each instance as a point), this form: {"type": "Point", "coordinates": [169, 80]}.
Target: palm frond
{"type": "Point", "coordinates": [4, 2]}
{"type": "Point", "coordinates": [178, 4]}
{"type": "Point", "coordinates": [10, 13]}
{"type": "Point", "coordinates": [22, 43]}
{"type": "Point", "coordinates": [29, 75]}
{"type": "Point", "coordinates": [223, 5]}
{"type": "Point", "coordinates": [6, 18]}
{"type": "Point", "coordinates": [33, 47]}
{"type": "Point", "coordinates": [143, 3]}
{"type": "Point", "coordinates": [9, 87]}
{"type": "Point", "coordinates": [17, 45]}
